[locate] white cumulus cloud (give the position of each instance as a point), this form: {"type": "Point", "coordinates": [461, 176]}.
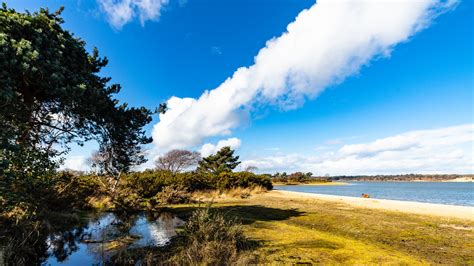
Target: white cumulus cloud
{"type": "Point", "coordinates": [78, 163]}
{"type": "Point", "coordinates": [442, 150]}
{"type": "Point", "coordinates": [209, 148]}
{"type": "Point", "coordinates": [324, 45]}
{"type": "Point", "coordinates": [120, 12]}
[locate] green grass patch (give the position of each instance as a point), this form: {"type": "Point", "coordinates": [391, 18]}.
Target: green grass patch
{"type": "Point", "coordinates": [294, 231]}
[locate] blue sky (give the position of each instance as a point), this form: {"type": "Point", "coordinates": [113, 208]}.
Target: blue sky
{"type": "Point", "coordinates": [424, 85]}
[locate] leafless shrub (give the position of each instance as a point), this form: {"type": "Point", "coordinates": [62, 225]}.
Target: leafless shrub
{"type": "Point", "coordinates": [177, 160]}
{"type": "Point", "coordinates": [172, 195]}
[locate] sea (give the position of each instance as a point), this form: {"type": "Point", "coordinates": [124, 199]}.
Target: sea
{"type": "Point", "coordinates": [450, 193]}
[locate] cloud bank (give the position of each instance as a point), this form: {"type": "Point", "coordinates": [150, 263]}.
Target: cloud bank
{"type": "Point", "coordinates": [324, 45]}
{"type": "Point", "coordinates": [208, 148]}
{"type": "Point", "coordinates": [443, 150]}
{"type": "Point", "coordinates": [120, 12]}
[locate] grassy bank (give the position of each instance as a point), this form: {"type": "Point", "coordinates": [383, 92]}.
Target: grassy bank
{"type": "Point", "coordinates": [313, 231]}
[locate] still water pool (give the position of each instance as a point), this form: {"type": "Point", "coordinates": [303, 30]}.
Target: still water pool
{"type": "Point", "coordinates": [97, 242]}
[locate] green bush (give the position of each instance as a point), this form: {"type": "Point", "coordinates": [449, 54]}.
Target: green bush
{"type": "Point", "coordinates": [148, 183]}
{"type": "Point", "coordinates": [149, 189]}
{"type": "Point", "coordinates": [228, 180]}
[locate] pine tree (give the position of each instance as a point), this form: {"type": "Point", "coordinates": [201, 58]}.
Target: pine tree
{"type": "Point", "coordinates": [223, 161]}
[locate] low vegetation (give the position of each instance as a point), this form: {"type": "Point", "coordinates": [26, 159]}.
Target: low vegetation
{"type": "Point", "coordinates": [25, 227]}
{"type": "Point", "coordinates": [149, 189]}
{"type": "Point", "coordinates": [210, 238]}
{"type": "Point", "coordinates": [310, 231]}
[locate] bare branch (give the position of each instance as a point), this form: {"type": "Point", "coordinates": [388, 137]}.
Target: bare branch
{"type": "Point", "coordinates": [177, 160]}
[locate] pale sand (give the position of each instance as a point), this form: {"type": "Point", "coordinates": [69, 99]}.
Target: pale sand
{"type": "Point", "coordinates": [452, 211]}
{"type": "Point", "coordinates": [312, 184]}
{"type": "Point", "coordinates": [461, 179]}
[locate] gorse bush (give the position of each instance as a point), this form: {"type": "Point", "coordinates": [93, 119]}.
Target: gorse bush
{"type": "Point", "coordinates": [148, 183]}
{"type": "Point", "coordinates": [229, 180]}
{"type": "Point", "coordinates": [149, 189]}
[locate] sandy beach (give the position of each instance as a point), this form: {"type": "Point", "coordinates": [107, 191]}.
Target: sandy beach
{"type": "Point", "coordinates": [461, 212]}
{"type": "Point", "coordinates": [461, 179]}
{"type": "Point", "coordinates": [312, 184]}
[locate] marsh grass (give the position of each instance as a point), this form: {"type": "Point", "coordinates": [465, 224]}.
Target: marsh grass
{"type": "Point", "coordinates": [211, 238]}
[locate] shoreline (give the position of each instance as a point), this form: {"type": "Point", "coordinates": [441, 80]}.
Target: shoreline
{"type": "Point", "coordinates": [337, 183]}
{"type": "Point", "coordinates": [414, 207]}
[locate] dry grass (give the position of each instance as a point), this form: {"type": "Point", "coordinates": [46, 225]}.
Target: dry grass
{"type": "Point", "coordinates": [101, 203]}
{"type": "Point", "coordinates": [242, 193]}
{"type": "Point", "coordinates": [314, 231]}
{"type": "Point", "coordinates": [210, 238]}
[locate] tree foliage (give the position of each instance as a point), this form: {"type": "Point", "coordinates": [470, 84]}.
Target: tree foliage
{"type": "Point", "coordinates": [177, 160]}
{"type": "Point", "coordinates": [51, 95]}
{"type": "Point", "coordinates": [223, 161]}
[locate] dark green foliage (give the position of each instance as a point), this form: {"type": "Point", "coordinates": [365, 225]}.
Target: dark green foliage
{"type": "Point", "coordinates": [228, 180]}
{"type": "Point", "coordinates": [51, 95]}
{"type": "Point", "coordinates": [298, 177]}
{"type": "Point", "coordinates": [149, 189]}
{"type": "Point", "coordinates": [223, 161]}
{"type": "Point", "coordinates": [148, 183]}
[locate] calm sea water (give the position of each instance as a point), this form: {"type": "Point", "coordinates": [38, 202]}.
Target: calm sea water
{"type": "Point", "coordinates": [452, 193]}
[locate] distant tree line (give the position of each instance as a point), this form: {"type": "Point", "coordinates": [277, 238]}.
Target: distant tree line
{"type": "Point", "coordinates": [296, 177]}
{"type": "Point", "coordinates": [404, 177]}
{"type": "Point", "coordinates": [300, 177]}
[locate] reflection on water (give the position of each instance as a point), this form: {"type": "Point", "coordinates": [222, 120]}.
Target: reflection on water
{"type": "Point", "coordinates": [106, 235]}
{"type": "Point", "coordinates": [157, 233]}
{"type": "Point", "coordinates": [100, 238]}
